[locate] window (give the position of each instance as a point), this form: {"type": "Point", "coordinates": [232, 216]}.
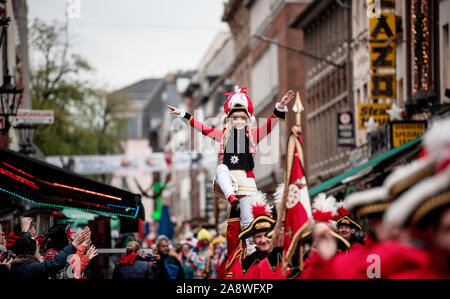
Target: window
{"type": "Point", "coordinates": [446, 59]}
{"type": "Point", "coordinates": [400, 91]}
{"type": "Point", "coordinates": [265, 75]}
{"type": "Point", "coordinates": [366, 93]}
{"type": "Point", "coordinates": [259, 12]}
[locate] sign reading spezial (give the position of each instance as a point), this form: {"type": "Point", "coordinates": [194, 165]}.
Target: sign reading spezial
{"type": "Point", "coordinates": [405, 131]}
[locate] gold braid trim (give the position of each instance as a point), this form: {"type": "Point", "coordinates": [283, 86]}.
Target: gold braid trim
{"type": "Point", "coordinates": [429, 205]}
{"type": "Point", "coordinates": [245, 270]}
{"type": "Point", "coordinates": [233, 220]}
{"type": "Point", "coordinates": [411, 180]}
{"type": "Point", "coordinates": [279, 258]}
{"type": "Point", "coordinates": [373, 208]}
{"type": "Point", "coordinates": [337, 236]}
{"type": "Point", "coordinates": [237, 254]}
{"type": "Point", "coordinates": [299, 234]}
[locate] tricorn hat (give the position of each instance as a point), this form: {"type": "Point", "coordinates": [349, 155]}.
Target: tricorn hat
{"type": "Point", "coordinates": [263, 220]}
{"type": "Point", "coordinates": [346, 220]}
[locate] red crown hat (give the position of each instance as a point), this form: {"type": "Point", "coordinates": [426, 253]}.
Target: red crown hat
{"type": "Point", "coordinates": [238, 97]}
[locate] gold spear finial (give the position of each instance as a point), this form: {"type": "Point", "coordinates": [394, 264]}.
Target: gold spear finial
{"type": "Point", "coordinates": [298, 108]}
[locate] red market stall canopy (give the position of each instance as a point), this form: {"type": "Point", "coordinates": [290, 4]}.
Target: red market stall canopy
{"type": "Point", "coordinates": [44, 184]}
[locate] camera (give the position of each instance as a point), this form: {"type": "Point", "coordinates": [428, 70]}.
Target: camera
{"type": "Point", "coordinates": [10, 255]}
{"type": "Point", "coordinates": [148, 255]}
{"type": "Point", "coordinates": [150, 258]}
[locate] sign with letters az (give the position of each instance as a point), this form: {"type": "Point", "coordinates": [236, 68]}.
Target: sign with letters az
{"type": "Point", "coordinates": [382, 55]}
{"type": "Point", "coordinates": [382, 52]}
{"type": "Point", "coordinates": [382, 28]}
{"type": "Point", "coordinates": [382, 86]}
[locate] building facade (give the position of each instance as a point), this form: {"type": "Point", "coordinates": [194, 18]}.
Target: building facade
{"type": "Point", "coordinates": [339, 37]}
{"type": "Point", "coordinates": [326, 35]}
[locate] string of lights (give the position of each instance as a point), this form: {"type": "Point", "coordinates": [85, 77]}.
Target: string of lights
{"type": "Point", "coordinates": [421, 45]}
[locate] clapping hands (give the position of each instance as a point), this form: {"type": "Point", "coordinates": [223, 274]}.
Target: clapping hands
{"type": "Point", "coordinates": [82, 237]}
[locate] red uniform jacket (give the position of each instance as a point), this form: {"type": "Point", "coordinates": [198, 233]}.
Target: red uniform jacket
{"type": "Point", "coordinates": [254, 266]}
{"type": "Point", "coordinates": [366, 261]}
{"type": "Point", "coordinates": [236, 250]}
{"type": "Point", "coordinates": [437, 268]}
{"type": "Point", "coordinates": [271, 267]}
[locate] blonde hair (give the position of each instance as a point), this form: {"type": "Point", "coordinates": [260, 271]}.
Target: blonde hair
{"type": "Point", "coordinates": [132, 247]}
{"type": "Point", "coordinates": [229, 127]}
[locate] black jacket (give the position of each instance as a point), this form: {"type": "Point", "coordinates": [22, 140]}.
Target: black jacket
{"type": "Point", "coordinates": [4, 273]}
{"type": "Point", "coordinates": [171, 262]}
{"type": "Point", "coordinates": [138, 269]}
{"type": "Point", "coordinates": [32, 269]}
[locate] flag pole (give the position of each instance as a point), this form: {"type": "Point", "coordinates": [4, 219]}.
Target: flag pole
{"type": "Point", "coordinates": [296, 130]}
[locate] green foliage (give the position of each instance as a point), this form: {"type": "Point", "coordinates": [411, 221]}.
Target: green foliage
{"type": "Point", "coordinates": [86, 120]}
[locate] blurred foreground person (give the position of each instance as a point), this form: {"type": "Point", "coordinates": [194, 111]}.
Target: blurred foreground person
{"type": "Point", "coordinates": [18, 229]}
{"type": "Point", "coordinates": [425, 210]}
{"type": "Point", "coordinates": [28, 265]}
{"type": "Point", "coordinates": [132, 265]}
{"type": "Point", "coordinates": [393, 245]}
{"type": "Point", "coordinates": [377, 258]}
{"type": "Point", "coordinates": [5, 263]}
{"type": "Point", "coordinates": [57, 237]}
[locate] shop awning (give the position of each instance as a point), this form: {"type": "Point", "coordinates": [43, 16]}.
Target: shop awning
{"type": "Point", "coordinates": [41, 183]}
{"type": "Point", "coordinates": [360, 168]}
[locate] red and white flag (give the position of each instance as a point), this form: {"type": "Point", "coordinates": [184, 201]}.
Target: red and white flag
{"type": "Point", "coordinates": [297, 204]}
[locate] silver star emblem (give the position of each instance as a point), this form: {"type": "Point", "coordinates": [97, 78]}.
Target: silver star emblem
{"type": "Point", "coordinates": [234, 159]}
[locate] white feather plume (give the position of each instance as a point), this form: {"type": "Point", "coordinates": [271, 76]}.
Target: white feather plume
{"type": "Point", "coordinates": [325, 204]}
{"type": "Point", "coordinates": [437, 138]}
{"type": "Point", "coordinates": [259, 199]}
{"type": "Point", "coordinates": [278, 196]}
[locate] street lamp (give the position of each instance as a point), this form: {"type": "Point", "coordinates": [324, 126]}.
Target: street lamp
{"type": "Point", "coordinates": [4, 22]}
{"type": "Point", "coordinates": [26, 136]}
{"type": "Point", "coordinates": [10, 97]}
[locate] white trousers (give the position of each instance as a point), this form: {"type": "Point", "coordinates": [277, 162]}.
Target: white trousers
{"type": "Point", "coordinates": [223, 179]}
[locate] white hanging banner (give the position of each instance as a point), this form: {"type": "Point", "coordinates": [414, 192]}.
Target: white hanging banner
{"type": "Point", "coordinates": [155, 162]}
